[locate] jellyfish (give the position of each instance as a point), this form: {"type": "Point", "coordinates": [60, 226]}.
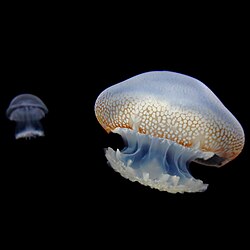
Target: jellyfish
{"type": "Point", "coordinates": [167, 120]}
{"type": "Point", "coordinates": [27, 110]}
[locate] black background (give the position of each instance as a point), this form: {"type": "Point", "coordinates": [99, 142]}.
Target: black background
{"type": "Point", "coordinates": [61, 183]}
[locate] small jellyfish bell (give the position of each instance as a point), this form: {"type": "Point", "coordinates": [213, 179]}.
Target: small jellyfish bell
{"type": "Point", "coordinates": [27, 110]}
{"type": "Point", "coordinates": [167, 120]}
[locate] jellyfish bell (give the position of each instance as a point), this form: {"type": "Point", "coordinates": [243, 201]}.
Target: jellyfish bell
{"type": "Point", "coordinates": [167, 120]}
{"type": "Point", "coordinates": [27, 110]}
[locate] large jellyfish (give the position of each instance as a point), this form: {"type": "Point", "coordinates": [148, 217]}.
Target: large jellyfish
{"type": "Point", "coordinates": [27, 110]}
{"type": "Point", "coordinates": [167, 120]}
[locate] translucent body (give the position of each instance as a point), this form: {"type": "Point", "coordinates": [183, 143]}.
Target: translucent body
{"type": "Point", "coordinates": [27, 110]}
{"type": "Point", "coordinates": [177, 111]}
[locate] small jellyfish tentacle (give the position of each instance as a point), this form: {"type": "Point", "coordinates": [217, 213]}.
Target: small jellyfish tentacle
{"type": "Point", "coordinates": [180, 161]}
{"type": "Point", "coordinates": [136, 148]}
{"type": "Point", "coordinates": [186, 156]}
{"type": "Point", "coordinates": [130, 143]}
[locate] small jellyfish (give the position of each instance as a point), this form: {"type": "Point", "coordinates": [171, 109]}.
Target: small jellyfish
{"type": "Point", "coordinates": [167, 120]}
{"type": "Point", "coordinates": [27, 110]}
